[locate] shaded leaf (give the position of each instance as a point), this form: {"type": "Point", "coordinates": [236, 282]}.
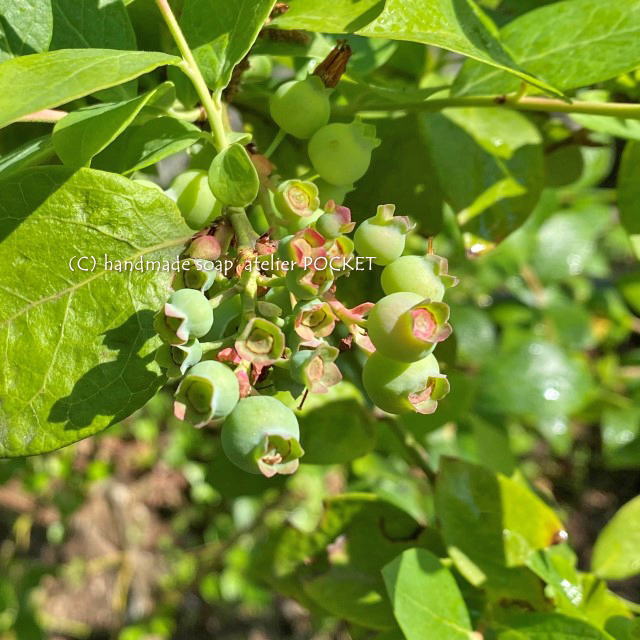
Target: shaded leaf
{"type": "Point", "coordinates": [629, 188]}
{"type": "Point", "coordinates": [81, 342]}
{"type": "Point", "coordinates": [335, 428]}
{"type": "Point", "coordinates": [401, 172]}
{"type": "Point", "coordinates": [82, 134]}
{"type": "Point", "coordinates": [80, 24]}
{"type": "Point", "coordinates": [536, 380]}
{"type": "Point", "coordinates": [27, 154]}
{"type": "Point", "coordinates": [46, 80]}
{"type": "Point", "coordinates": [144, 145]}
{"type": "Point", "coordinates": [490, 167]}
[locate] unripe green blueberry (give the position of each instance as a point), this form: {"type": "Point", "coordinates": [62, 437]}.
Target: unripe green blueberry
{"type": "Point", "coordinates": [301, 107]}
{"type": "Point", "coordinates": [208, 391]}
{"type": "Point", "coordinates": [383, 236]}
{"type": "Point", "coordinates": [261, 435]}
{"type": "Point", "coordinates": [400, 387]}
{"type": "Point", "coordinates": [405, 327]}
{"type": "Point", "coordinates": [415, 274]}
{"type": "Point", "coordinates": [192, 194]}
{"type": "Point", "coordinates": [187, 314]}
{"type": "Point", "coordinates": [341, 153]}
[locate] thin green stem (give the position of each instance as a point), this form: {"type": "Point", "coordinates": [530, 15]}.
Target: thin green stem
{"type": "Point", "coordinates": [211, 105]}
{"type": "Point", "coordinates": [280, 136]}
{"type": "Point", "coordinates": [245, 233]}
{"type": "Point", "coordinates": [516, 102]}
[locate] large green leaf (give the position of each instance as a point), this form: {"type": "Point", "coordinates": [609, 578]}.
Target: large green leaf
{"type": "Point", "coordinates": [570, 44]}
{"type": "Point", "coordinates": [84, 133]}
{"type": "Point", "coordinates": [425, 598]}
{"type": "Point", "coordinates": [456, 25]}
{"type": "Point", "coordinates": [25, 27]}
{"type": "Point", "coordinates": [221, 33]}
{"type": "Point", "coordinates": [490, 522]}
{"type": "Point", "coordinates": [616, 555]}
{"type": "Point", "coordinates": [46, 80]}
{"type": "Point", "coordinates": [536, 380]}
{"type": "Point", "coordinates": [144, 145]}
{"type": "Point", "coordinates": [548, 626]}
{"type": "Point", "coordinates": [80, 24]}
{"type": "Point", "coordinates": [78, 336]}
{"type": "Point", "coordinates": [489, 163]}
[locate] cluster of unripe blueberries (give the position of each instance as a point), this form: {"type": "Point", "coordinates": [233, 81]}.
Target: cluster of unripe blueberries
{"type": "Point", "coordinates": [236, 336]}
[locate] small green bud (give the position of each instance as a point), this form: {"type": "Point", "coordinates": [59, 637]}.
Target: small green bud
{"type": "Point", "coordinates": [209, 391]}
{"type": "Point", "coordinates": [261, 342]}
{"type": "Point", "coordinates": [316, 368]}
{"type": "Point", "coordinates": [186, 314]}
{"type": "Point", "coordinates": [196, 274]}
{"type": "Point", "coordinates": [177, 358]}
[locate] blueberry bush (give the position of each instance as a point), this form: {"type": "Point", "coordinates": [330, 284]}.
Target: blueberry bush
{"type": "Point", "coordinates": [320, 319]}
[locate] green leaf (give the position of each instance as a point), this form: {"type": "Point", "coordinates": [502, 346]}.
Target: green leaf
{"type": "Point", "coordinates": [46, 80]}
{"type": "Point", "coordinates": [144, 145]}
{"type": "Point", "coordinates": [351, 595]}
{"type": "Point", "coordinates": [80, 342]}
{"type": "Point", "coordinates": [547, 626]}
{"type": "Point", "coordinates": [425, 597]}
{"type": "Point", "coordinates": [629, 188]}
{"type": "Point", "coordinates": [27, 154]}
{"type": "Point", "coordinates": [536, 380]}
{"type": "Point", "coordinates": [490, 166]}
{"type": "Point", "coordinates": [82, 134]}
{"type": "Point", "coordinates": [456, 25]}
{"type": "Point", "coordinates": [547, 43]}
{"type": "Point", "coordinates": [401, 173]}
{"type": "Point", "coordinates": [25, 27]}
{"type": "Point", "coordinates": [616, 554]}
{"type": "Point", "coordinates": [80, 24]}
{"type": "Point", "coordinates": [619, 127]}
{"type": "Point", "coordinates": [329, 16]}
{"type": "Point", "coordinates": [489, 521]}
{"type": "Point", "coordinates": [221, 33]}
{"type": "Point", "coordinates": [233, 177]}
{"type": "Point", "coordinates": [335, 427]}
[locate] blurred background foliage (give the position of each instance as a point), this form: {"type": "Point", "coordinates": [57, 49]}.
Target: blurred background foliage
{"type": "Point", "coordinates": [147, 531]}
